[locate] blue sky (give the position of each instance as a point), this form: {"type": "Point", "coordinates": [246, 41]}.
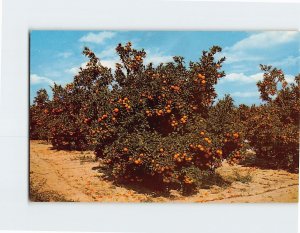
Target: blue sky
{"type": "Point", "coordinates": [55, 56]}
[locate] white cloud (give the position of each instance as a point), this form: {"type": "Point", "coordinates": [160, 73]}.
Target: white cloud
{"type": "Point", "coordinates": [109, 52]}
{"type": "Point", "coordinates": [75, 70]}
{"type": "Point", "coordinates": [36, 79]}
{"type": "Point", "coordinates": [240, 56]}
{"type": "Point", "coordinates": [97, 38]}
{"type": "Point", "coordinates": [289, 61]}
{"type": "Point", "coordinates": [110, 63]}
{"type": "Point", "coordinates": [246, 94]}
{"type": "Point", "coordinates": [266, 40]}
{"type": "Point", "coordinates": [254, 47]}
{"type": "Point", "coordinates": [52, 74]}
{"type": "Point", "coordinates": [241, 78]}
{"type": "Point", "coordinates": [289, 78]}
{"type": "Point", "coordinates": [157, 58]}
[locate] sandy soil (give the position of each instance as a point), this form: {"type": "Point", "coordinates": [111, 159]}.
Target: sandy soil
{"type": "Point", "coordinates": [72, 176]}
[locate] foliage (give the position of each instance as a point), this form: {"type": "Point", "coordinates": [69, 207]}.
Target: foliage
{"type": "Point", "coordinates": [160, 125]}
{"type": "Point", "coordinates": [38, 127]}
{"type": "Point", "coordinates": [273, 128]}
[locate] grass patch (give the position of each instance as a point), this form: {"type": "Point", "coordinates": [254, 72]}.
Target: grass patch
{"type": "Point", "coordinates": [36, 195]}
{"type": "Point", "coordinates": [246, 178]}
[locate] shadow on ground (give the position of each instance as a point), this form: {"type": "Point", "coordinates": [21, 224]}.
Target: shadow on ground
{"type": "Point", "coordinates": [157, 189]}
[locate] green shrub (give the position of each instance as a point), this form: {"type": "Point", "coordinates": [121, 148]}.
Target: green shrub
{"type": "Point", "coordinates": [273, 128]}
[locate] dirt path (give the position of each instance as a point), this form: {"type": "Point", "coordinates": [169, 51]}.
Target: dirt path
{"type": "Point", "coordinates": [72, 176]}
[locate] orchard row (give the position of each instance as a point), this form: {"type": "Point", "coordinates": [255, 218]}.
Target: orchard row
{"type": "Point", "coordinates": [161, 125]}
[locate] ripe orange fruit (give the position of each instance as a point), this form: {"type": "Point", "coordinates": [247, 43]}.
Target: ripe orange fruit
{"type": "Point", "coordinates": [203, 81]}
{"type": "Point", "coordinates": [125, 149]}
{"type": "Point", "coordinates": [161, 150]}
{"type": "Point", "coordinates": [116, 110]}
{"type": "Point", "coordinates": [236, 135]}
{"type": "Point", "coordinates": [201, 76]}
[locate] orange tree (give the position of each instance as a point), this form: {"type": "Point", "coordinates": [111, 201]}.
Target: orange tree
{"type": "Point", "coordinates": [66, 128]}
{"type": "Point", "coordinates": [156, 129]}
{"type": "Point", "coordinates": [156, 125]}
{"type": "Point", "coordinates": [225, 122]}
{"type": "Point", "coordinates": [273, 128]}
{"type": "Point", "coordinates": [38, 127]}
{"type": "Point", "coordinates": [79, 107]}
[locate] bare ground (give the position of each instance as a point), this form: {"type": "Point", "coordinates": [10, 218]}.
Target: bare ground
{"type": "Point", "coordinates": [72, 176]}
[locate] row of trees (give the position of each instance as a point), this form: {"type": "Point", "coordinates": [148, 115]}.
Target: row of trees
{"type": "Point", "coordinates": [162, 125]}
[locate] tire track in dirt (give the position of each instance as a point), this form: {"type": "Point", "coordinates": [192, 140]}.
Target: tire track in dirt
{"type": "Point", "coordinates": [54, 181]}
{"type": "Point", "coordinates": [76, 180]}
{"type": "Point", "coordinates": [267, 195]}
{"type": "Point", "coordinates": [73, 175]}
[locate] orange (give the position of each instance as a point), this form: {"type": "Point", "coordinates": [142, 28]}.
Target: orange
{"type": "Point", "coordinates": [201, 76]}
